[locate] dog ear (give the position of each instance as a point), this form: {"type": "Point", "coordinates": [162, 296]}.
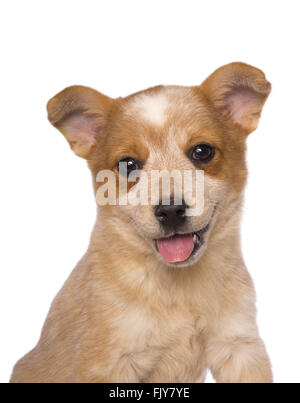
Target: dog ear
{"type": "Point", "coordinates": [80, 114]}
{"type": "Point", "coordinates": [238, 91]}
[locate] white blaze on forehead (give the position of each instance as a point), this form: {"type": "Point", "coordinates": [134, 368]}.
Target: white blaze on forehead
{"type": "Point", "coordinates": [152, 107]}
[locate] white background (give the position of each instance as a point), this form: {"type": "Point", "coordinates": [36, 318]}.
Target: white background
{"type": "Point", "coordinates": [47, 206]}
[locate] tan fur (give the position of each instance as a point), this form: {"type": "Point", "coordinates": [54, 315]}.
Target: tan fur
{"type": "Point", "coordinates": [124, 315]}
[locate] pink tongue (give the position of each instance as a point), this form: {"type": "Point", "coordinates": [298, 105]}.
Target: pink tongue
{"type": "Point", "coordinates": [176, 248]}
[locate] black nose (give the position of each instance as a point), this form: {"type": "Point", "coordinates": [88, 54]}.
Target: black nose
{"type": "Point", "coordinates": [171, 215]}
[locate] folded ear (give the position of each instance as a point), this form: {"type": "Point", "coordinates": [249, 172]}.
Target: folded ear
{"type": "Point", "coordinates": [238, 91]}
{"type": "Point", "coordinates": [80, 114]}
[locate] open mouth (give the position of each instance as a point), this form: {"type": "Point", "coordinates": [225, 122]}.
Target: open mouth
{"type": "Point", "coordinates": [180, 247]}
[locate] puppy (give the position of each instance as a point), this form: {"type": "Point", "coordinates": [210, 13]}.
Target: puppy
{"type": "Point", "coordinates": [160, 295]}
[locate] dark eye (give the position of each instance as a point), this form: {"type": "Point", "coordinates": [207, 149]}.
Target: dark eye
{"type": "Point", "coordinates": [127, 165]}
{"type": "Point", "coordinates": [201, 153]}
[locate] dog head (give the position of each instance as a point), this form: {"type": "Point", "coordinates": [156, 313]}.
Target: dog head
{"type": "Point", "coordinates": [162, 130]}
